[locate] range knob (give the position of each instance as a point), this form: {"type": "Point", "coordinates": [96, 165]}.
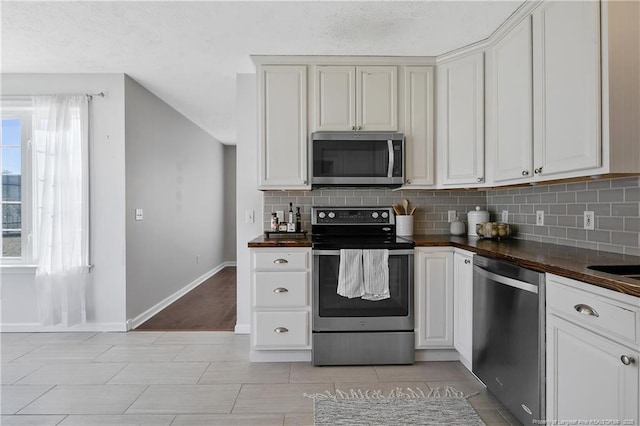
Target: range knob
{"type": "Point", "coordinates": [321, 215]}
{"type": "Point", "coordinates": [332, 215]}
{"type": "Point", "coordinates": [385, 215]}
{"type": "Point", "coordinates": [374, 215]}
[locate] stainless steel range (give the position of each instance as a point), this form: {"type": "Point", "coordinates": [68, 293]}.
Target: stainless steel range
{"type": "Point", "coordinates": [355, 330]}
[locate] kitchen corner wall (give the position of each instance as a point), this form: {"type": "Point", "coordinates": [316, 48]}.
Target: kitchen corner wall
{"type": "Point", "coordinates": [430, 216]}
{"type": "Point", "coordinates": [615, 203]}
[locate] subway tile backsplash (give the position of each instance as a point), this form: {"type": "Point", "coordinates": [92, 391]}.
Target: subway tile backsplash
{"type": "Point", "coordinates": [430, 216]}
{"type": "Point", "coordinates": [615, 202]}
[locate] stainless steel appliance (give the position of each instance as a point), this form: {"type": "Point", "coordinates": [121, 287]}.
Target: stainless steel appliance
{"type": "Point", "coordinates": [508, 335]}
{"type": "Point", "coordinates": [357, 159]}
{"type": "Point", "coordinates": [357, 331]}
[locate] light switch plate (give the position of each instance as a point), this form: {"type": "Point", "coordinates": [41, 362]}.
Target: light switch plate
{"type": "Point", "coordinates": [139, 214]}
{"type": "Point", "coordinates": [451, 215]}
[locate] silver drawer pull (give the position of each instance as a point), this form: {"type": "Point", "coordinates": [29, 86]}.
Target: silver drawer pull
{"type": "Point", "coordinates": [626, 360]}
{"type": "Point", "coordinates": [280, 290]}
{"type": "Point", "coordinates": [586, 309]}
{"type": "Point", "coordinates": [280, 330]}
{"type": "Point", "coordinates": [281, 260]}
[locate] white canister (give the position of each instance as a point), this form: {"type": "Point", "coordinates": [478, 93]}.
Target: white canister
{"type": "Point", "coordinates": [475, 217]}
{"type": "Point", "coordinates": [404, 225]}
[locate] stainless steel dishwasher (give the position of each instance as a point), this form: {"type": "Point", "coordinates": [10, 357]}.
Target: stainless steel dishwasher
{"type": "Point", "coordinates": [508, 335]}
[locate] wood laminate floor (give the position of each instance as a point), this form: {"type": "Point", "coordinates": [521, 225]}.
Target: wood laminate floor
{"type": "Point", "coordinates": [209, 307]}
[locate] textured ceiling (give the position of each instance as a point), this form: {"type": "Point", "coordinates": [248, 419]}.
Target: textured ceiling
{"type": "Point", "coordinates": [188, 53]}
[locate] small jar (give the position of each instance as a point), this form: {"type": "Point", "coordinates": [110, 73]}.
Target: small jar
{"type": "Point", "coordinates": [274, 221]}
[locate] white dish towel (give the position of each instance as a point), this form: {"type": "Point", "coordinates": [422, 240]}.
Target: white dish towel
{"type": "Point", "coordinates": [376, 274]}
{"type": "Point", "coordinates": [350, 275]}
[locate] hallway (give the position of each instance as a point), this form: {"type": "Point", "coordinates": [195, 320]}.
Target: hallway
{"type": "Point", "coordinates": [209, 307]}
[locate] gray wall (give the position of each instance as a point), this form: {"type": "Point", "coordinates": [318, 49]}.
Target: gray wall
{"type": "Point", "coordinates": [615, 202]}
{"type": "Point", "coordinates": [230, 203]}
{"type": "Point", "coordinates": [175, 172]}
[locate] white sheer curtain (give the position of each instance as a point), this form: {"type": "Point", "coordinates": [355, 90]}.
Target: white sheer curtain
{"type": "Point", "coordinates": [60, 146]}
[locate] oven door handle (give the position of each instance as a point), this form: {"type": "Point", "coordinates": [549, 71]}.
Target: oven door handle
{"type": "Point", "coordinates": [392, 252]}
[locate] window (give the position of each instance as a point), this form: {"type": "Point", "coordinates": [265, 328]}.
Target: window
{"type": "Point", "coordinates": [15, 163]}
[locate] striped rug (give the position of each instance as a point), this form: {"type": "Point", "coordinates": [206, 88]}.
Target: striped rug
{"type": "Point", "coordinates": [441, 406]}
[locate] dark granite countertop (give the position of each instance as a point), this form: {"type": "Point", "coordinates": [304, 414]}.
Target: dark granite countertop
{"type": "Point", "coordinates": [566, 261]}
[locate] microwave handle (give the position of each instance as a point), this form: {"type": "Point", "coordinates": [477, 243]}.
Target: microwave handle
{"type": "Point", "coordinates": [391, 158]}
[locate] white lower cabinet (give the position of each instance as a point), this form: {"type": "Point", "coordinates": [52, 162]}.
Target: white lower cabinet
{"type": "Point", "coordinates": [463, 305]}
{"type": "Point", "coordinates": [434, 298]}
{"type": "Point", "coordinates": [280, 299]}
{"type": "Point", "coordinates": [593, 350]}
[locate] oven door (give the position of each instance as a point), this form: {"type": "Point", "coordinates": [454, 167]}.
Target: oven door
{"type": "Point", "coordinates": [332, 312]}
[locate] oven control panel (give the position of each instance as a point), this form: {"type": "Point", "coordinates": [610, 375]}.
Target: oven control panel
{"type": "Point", "coordinates": [351, 215]}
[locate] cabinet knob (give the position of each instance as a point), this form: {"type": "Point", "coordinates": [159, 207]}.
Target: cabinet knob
{"type": "Point", "coordinates": [280, 290]}
{"type": "Point", "coordinates": [359, 127]}
{"type": "Point", "coordinates": [467, 261]}
{"type": "Point", "coordinates": [409, 181]}
{"type": "Point", "coordinates": [538, 170]}
{"type": "Point", "coordinates": [281, 260]}
{"type": "Point", "coordinates": [480, 179]}
{"type": "Point", "coordinates": [281, 330]}
{"type": "Point", "coordinates": [627, 360]}
{"type": "Point", "coordinates": [353, 127]}
{"type": "Point", "coordinates": [304, 182]}
{"type": "Point", "coordinates": [525, 173]}
{"type": "Point", "coordinates": [586, 310]}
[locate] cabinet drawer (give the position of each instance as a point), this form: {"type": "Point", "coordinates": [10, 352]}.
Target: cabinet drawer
{"type": "Point", "coordinates": [279, 330]}
{"type": "Point", "coordinates": [281, 260]}
{"type": "Point", "coordinates": [598, 312]}
{"type": "Point", "coordinates": [281, 289]}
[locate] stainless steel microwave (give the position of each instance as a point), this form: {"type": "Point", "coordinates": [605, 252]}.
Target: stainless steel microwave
{"type": "Point", "coordinates": [357, 159]}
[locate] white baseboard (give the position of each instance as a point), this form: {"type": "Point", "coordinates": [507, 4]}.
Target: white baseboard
{"type": "Point", "coordinates": [38, 328]}
{"type": "Point", "coordinates": [230, 263]}
{"type": "Point", "coordinates": [242, 329]}
{"type": "Point", "coordinates": [135, 322]}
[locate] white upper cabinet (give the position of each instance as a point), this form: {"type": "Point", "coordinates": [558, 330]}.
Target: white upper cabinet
{"type": "Point", "coordinates": [418, 126]}
{"type": "Point", "coordinates": [356, 98]}
{"type": "Point", "coordinates": [460, 114]}
{"type": "Point", "coordinates": [566, 60]}
{"type": "Point", "coordinates": [509, 104]}
{"type": "Point", "coordinates": [283, 127]}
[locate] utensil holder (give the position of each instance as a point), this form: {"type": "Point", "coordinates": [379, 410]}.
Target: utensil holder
{"type": "Point", "coordinates": [404, 225]}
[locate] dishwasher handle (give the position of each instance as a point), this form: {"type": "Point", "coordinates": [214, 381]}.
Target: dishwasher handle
{"type": "Point", "coordinates": [531, 288]}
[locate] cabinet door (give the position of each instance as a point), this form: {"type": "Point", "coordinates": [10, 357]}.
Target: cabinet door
{"type": "Point", "coordinates": [335, 98]}
{"type": "Point", "coordinates": [463, 307]}
{"type": "Point", "coordinates": [586, 378]}
{"type": "Point", "coordinates": [418, 126]}
{"type": "Point", "coordinates": [283, 127]}
{"type": "Point", "coordinates": [434, 300]}
{"type": "Point", "coordinates": [510, 104]}
{"type": "Point", "coordinates": [377, 98]}
{"type": "Point", "coordinates": [461, 120]}
{"type": "Point", "coordinates": [566, 59]}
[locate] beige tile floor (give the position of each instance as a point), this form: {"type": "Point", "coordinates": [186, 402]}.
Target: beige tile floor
{"type": "Point", "coordinates": [188, 378]}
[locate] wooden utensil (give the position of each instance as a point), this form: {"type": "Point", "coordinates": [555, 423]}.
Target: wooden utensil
{"type": "Point", "coordinates": [396, 208]}
{"type": "Point", "coordinates": [405, 204]}
{"type": "Point", "coordinates": [413, 209]}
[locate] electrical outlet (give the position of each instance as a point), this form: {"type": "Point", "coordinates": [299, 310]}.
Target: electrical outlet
{"type": "Point", "coordinates": [589, 219]}
{"type": "Point", "coordinates": [539, 217]}
{"type": "Point", "coordinates": [249, 216]}
{"type": "Point", "coordinates": [197, 259]}
{"type": "Point", "coordinates": [505, 216]}
{"type": "Point", "coordinates": [451, 215]}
